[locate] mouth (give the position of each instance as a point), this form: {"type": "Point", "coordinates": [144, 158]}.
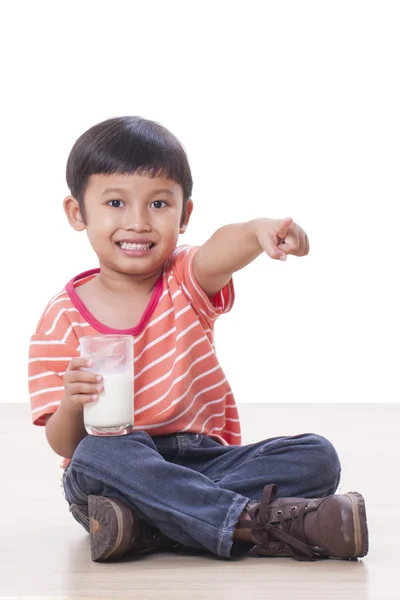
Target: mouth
{"type": "Point", "coordinates": [135, 248]}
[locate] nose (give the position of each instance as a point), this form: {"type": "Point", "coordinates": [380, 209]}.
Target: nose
{"type": "Point", "coordinates": [137, 219]}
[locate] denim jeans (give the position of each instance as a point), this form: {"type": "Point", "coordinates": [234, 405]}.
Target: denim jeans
{"type": "Point", "coordinates": [190, 486]}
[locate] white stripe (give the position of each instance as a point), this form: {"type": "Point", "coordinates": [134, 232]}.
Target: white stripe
{"type": "Point", "coordinates": [177, 400]}
{"type": "Point", "coordinates": [163, 378]}
{"type": "Point", "coordinates": [154, 321]}
{"type": "Point", "coordinates": [203, 408]}
{"type": "Point", "coordinates": [158, 319]}
{"type": "Point", "coordinates": [53, 301]}
{"type": "Point", "coordinates": [199, 290]}
{"type": "Point", "coordinates": [151, 323]}
{"type": "Point", "coordinates": [165, 292]}
{"type": "Point", "coordinates": [166, 313]}
{"type": "Point", "coordinates": [213, 313]}
{"type": "Point", "coordinates": [180, 249]}
{"type": "Point", "coordinates": [175, 294]}
{"type": "Point", "coordinates": [232, 433]}
{"type": "Point", "coordinates": [155, 362]}
{"type": "Point", "coordinates": [201, 293]}
{"type": "Point", "coordinates": [39, 408]}
{"type": "Point", "coordinates": [211, 417]}
{"type": "Point", "coordinates": [62, 311]}
{"type": "Point", "coordinates": [233, 420]}
{"type": "Point", "coordinates": [48, 358]}
{"type": "Point", "coordinates": [56, 302]}
{"type": "Point", "coordinates": [185, 331]}
{"type": "Point", "coordinates": [57, 296]}
{"type": "Point", "coordinates": [46, 391]}
{"type": "Point", "coordinates": [217, 431]}
{"type": "Point", "coordinates": [154, 342]}
{"type": "Point", "coordinates": [70, 328]}
{"type": "Point", "coordinates": [187, 292]}
{"type": "Point", "coordinates": [178, 358]}
{"type": "Point", "coordinates": [195, 343]}
{"type": "Point", "coordinates": [187, 409]}
{"type": "Point", "coordinates": [181, 312]}
{"type": "Point", "coordinates": [33, 377]}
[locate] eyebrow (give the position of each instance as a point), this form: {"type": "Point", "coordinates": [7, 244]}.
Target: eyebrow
{"type": "Point", "coordinates": [118, 190]}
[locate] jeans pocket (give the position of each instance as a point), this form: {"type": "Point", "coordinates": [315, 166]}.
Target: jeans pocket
{"type": "Point", "coordinates": [80, 514]}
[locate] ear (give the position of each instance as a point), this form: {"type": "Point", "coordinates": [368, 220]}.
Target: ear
{"type": "Point", "coordinates": [189, 210]}
{"type": "Point", "coordinates": [74, 216]}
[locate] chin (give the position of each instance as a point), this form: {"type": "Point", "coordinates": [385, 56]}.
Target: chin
{"type": "Point", "coordinates": [136, 267]}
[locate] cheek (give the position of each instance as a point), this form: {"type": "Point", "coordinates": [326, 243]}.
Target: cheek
{"type": "Point", "coordinates": [103, 225]}
{"type": "Point", "coordinates": [99, 237]}
{"type": "Point", "coordinates": [173, 234]}
{"type": "Point", "coordinates": [108, 221]}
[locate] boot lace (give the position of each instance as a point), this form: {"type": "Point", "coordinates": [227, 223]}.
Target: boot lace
{"type": "Point", "coordinates": [290, 530]}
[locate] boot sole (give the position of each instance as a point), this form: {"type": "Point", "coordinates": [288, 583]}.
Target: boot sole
{"type": "Point", "coordinates": [111, 528]}
{"type": "Point", "coordinates": [360, 524]}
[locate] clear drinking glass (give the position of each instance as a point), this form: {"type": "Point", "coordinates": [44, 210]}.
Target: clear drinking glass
{"type": "Point", "coordinates": [112, 356]}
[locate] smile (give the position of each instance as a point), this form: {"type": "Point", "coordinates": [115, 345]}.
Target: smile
{"type": "Point", "coordinates": [131, 246]}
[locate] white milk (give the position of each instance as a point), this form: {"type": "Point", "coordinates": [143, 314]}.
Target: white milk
{"type": "Point", "coordinates": [114, 406]}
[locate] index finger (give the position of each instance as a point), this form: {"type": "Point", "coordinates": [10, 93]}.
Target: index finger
{"type": "Point", "coordinates": [283, 227]}
{"type": "Point", "coordinates": [78, 363]}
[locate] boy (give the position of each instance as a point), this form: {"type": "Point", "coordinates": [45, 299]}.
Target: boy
{"type": "Point", "coordinates": [181, 478]}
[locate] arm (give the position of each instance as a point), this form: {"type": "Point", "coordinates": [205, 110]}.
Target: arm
{"type": "Point", "coordinates": [64, 430]}
{"type": "Point", "coordinates": [234, 246]}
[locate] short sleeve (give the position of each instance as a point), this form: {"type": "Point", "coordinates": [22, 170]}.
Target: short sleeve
{"type": "Point", "coordinates": [181, 266]}
{"type": "Point", "coordinates": [48, 361]}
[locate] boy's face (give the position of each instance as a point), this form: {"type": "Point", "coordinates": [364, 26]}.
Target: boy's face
{"type": "Point", "coordinates": [132, 221]}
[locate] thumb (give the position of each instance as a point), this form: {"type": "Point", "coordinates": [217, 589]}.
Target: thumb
{"type": "Point", "coordinates": [273, 250]}
{"type": "Point", "coordinates": [283, 226]}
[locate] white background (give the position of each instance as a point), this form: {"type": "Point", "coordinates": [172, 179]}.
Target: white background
{"type": "Point", "coordinates": [285, 109]}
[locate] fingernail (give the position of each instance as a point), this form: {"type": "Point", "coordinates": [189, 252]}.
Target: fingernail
{"type": "Point", "coordinates": [283, 257]}
{"type": "Point", "coordinates": [94, 397]}
{"type": "Point", "coordinates": [99, 388]}
{"type": "Point", "coordinates": [99, 378]}
{"type": "Point", "coordinates": [89, 363]}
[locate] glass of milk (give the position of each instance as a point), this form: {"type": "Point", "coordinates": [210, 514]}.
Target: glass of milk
{"type": "Point", "coordinates": [112, 357]}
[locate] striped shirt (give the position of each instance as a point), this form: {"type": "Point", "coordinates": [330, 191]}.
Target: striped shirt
{"type": "Point", "coordinates": [179, 385]}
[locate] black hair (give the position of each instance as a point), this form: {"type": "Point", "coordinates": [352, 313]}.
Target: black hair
{"type": "Point", "coordinates": [127, 145]}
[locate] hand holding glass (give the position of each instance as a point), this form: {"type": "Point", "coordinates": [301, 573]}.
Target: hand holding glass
{"type": "Point", "coordinates": [112, 357]}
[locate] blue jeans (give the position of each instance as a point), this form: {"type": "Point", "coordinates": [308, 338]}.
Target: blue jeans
{"type": "Point", "coordinates": [191, 487]}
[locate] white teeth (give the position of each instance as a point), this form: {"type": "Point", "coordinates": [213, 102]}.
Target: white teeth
{"type": "Point", "coordinates": [129, 246]}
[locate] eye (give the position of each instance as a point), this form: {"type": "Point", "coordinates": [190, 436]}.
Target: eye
{"type": "Point", "coordinates": [115, 203]}
{"type": "Point", "coordinates": [158, 204]}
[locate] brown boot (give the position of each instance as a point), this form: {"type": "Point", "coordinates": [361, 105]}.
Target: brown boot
{"type": "Point", "coordinates": [115, 530]}
{"type": "Point", "coordinates": [308, 529]}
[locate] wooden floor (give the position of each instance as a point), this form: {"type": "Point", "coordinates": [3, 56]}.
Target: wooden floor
{"type": "Point", "coordinates": [45, 554]}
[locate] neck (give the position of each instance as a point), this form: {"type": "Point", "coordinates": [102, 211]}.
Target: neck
{"type": "Point", "coordinates": [122, 284]}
